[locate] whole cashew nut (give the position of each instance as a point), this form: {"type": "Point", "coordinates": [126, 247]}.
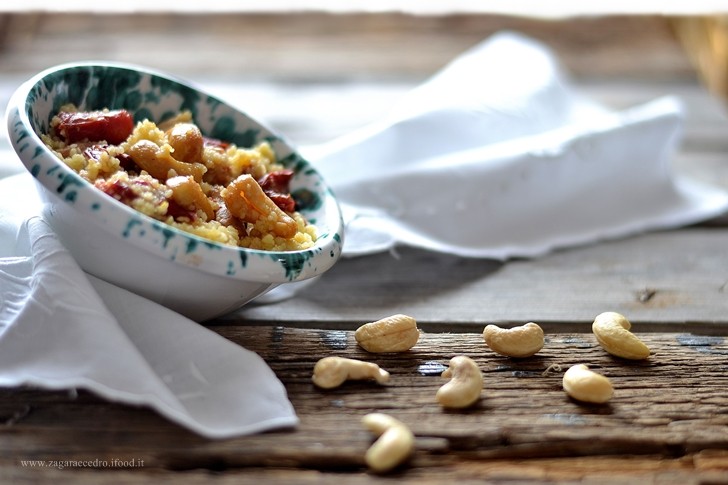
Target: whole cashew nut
{"type": "Point", "coordinates": [612, 331]}
{"type": "Point", "coordinates": [247, 201]}
{"type": "Point", "coordinates": [187, 141]}
{"type": "Point", "coordinates": [158, 161]}
{"type": "Point", "coordinates": [585, 385]}
{"type": "Point", "coordinates": [394, 445]}
{"type": "Point", "coordinates": [523, 341]}
{"type": "Point", "coordinates": [464, 387]}
{"type": "Point", "coordinates": [188, 193]}
{"type": "Point", "coordinates": [331, 372]}
{"type": "Point", "coordinates": [396, 333]}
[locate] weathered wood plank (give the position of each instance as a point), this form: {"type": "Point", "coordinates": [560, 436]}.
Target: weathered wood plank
{"type": "Point", "coordinates": [668, 415]}
{"type": "Point", "coordinates": [668, 421]}
{"type": "Point", "coordinates": [660, 280]}
{"type": "Point", "coordinates": [598, 470]}
{"type": "Point", "coordinates": [318, 45]}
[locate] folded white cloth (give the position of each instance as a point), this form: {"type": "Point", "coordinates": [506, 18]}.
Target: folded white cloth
{"type": "Point", "coordinates": [496, 156]}
{"type": "Point", "coordinates": [61, 328]}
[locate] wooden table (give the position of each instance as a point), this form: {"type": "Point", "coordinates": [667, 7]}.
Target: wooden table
{"type": "Point", "coordinates": [668, 420]}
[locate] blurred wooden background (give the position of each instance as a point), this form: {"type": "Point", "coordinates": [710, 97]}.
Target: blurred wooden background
{"type": "Point", "coordinates": [316, 75]}
{"type": "Point", "coordinates": [316, 46]}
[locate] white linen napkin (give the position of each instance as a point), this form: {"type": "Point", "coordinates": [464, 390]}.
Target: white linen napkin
{"type": "Point", "coordinates": [61, 328]}
{"type": "Point", "coordinates": [496, 156]}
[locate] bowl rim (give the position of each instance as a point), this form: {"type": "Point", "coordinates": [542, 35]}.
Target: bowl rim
{"type": "Point", "coordinates": [266, 266]}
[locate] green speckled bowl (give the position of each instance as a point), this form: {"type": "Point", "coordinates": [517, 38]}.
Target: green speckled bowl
{"type": "Point", "coordinates": [196, 277]}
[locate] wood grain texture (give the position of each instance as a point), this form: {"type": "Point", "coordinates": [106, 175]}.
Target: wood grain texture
{"type": "Point", "coordinates": [318, 46]}
{"type": "Point", "coordinates": [318, 76]}
{"type": "Point", "coordinates": [660, 280]}
{"type": "Point", "coordinates": [594, 46]}
{"type": "Point", "coordinates": [668, 418]}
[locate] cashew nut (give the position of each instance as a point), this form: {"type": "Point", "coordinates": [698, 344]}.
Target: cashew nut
{"type": "Point", "coordinates": [396, 333]}
{"type": "Point", "coordinates": [523, 341]}
{"type": "Point", "coordinates": [465, 384]}
{"type": "Point", "coordinates": [248, 202]}
{"type": "Point", "coordinates": [186, 140]}
{"type": "Point", "coordinates": [158, 162]}
{"type": "Point", "coordinates": [188, 193]}
{"type": "Point", "coordinates": [585, 385]}
{"type": "Point", "coordinates": [394, 445]}
{"type": "Point", "coordinates": [331, 372]}
{"type": "Point", "coordinates": [612, 332]}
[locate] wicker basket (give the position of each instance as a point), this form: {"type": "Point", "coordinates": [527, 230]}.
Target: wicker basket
{"type": "Point", "coordinates": [705, 39]}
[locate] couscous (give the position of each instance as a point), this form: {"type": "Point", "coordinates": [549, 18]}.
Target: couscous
{"type": "Point", "coordinates": [173, 173]}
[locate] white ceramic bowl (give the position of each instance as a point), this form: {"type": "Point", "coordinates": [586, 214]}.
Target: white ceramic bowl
{"type": "Point", "coordinates": [196, 277]}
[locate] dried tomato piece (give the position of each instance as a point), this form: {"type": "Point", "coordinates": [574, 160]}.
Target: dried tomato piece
{"type": "Point", "coordinates": [284, 202]}
{"type": "Point", "coordinates": [127, 163]}
{"type": "Point", "coordinates": [277, 181]}
{"type": "Point", "coordinates": [112, 126]}
{"type": "Point", "coordinates": [276, 186]}
{"type": "Point", "coordinates": [116, 189]}
{"type": "Point", "coordinates": [214, 143]}
{"type": "Point", "coordinates": [94, 152]}
{"type": "Point", "coordinates": [180, 213]}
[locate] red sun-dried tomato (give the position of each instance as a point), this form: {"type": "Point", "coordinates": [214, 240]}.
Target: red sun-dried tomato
{"type": "Point", "coordinates": [179, 212]}
{"type": "Point", "coordinates": [214, 143]}
{"type": "Point", "coordinates": [94, 152]}
{"type": "Point", "coordinates": [276, 186]}
{"type": "Point", "coordinates": [112, 126]}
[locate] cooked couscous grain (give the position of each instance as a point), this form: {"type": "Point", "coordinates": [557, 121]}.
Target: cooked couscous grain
{"type": "Point", "coordinates": [172, 173]}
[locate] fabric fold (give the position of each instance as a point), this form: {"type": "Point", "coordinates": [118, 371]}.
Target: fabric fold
{"type": "Point", "coordinates": [497, 156]}
{"type": "Point", "coordinates": [64, 329]}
